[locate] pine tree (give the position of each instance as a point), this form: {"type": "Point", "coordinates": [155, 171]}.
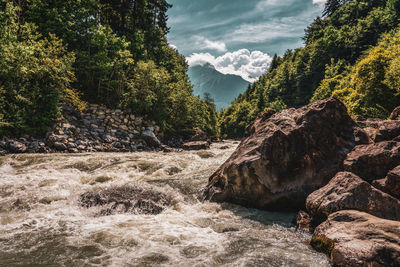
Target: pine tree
{"type": "Point", "coordinates": [331, 6]}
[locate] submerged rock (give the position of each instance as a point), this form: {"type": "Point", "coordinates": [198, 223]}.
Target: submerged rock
{"type": "Point", "coordinates": [347, 191]}
{"type": "Point", "coordinates": [197, 145]}
{"type": "Point", "coordinates": [354, 238]}
{"type": "Point", "coordinates": [137, 199]}
{"type": "Point", "coordinates": [286, 156]}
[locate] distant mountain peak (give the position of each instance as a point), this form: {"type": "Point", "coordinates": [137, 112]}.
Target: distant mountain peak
{"type": "Point", "coordinates": [223, 88]}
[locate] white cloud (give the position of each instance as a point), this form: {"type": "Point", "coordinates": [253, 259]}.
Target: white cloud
{"type": "Point", "coordinates": [249, 65]}
{"type": "Point", "coordinates": [266, 31]}
{"type": "Point", "coordinates": [204, 43]}
{"type": "Point", "coordinates": [173, 46]}
{"type": "Point", "coordinates": [272, 3]}
{"type": "Point", "coordinates": [319, 2]}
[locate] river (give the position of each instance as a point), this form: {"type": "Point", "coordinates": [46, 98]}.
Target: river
{"type": "Point", "coordinates": [43, 221]}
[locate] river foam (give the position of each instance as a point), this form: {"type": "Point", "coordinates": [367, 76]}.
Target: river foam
{"type": "Point", "coordinates": [43, 223]}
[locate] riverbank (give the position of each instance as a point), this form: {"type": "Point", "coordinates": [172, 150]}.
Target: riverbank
{"type": "Point", "coordinates": [97, 129]}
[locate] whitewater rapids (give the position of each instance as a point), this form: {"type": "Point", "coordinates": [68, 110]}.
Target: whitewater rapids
{"type": "Point", "coordinates": [42, 221]}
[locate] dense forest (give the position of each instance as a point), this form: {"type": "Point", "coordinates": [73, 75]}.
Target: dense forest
{"type": "Point", "coordinates": [73, 52]}
{"type": "Point", "coordinates": [352, 52]}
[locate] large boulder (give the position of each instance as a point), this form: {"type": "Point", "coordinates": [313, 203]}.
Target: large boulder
{"type": "Point", "coordinates": [391, 184]}
{"type": "Point", "coordinates": [373, 161]}
{"type": "Point", "coordinates": [347, 191]}
{"type": "Point", "coordinates": [354, 238]}
{"type": "Point", "coordinates": [286, 156]}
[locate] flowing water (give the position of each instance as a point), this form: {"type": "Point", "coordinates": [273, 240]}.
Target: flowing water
{"type": "Point", "coordinates": [44, 223]}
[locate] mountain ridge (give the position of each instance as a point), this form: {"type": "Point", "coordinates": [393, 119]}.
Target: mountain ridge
{"type": "Point", "coordinates": [223, 88]}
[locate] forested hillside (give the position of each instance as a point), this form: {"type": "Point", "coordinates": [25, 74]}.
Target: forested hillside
{"type": "Point", "coordinates": [71, 52]}
{"type": "Point", "coordinates": [351, 52]}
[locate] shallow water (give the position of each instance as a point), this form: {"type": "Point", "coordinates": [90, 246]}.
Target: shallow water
{"type": "Point", "coordinates": [42, 223]}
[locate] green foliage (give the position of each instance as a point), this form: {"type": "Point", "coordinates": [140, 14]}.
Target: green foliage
{"type": "Point", "coordinates": [155, 95]}
{"type": "Point", "coordinates": [332, 45]}
{"type": "Point", "coordinates": [235, 119]}
{"type": "Point", "coordinates": [322, 244]}
{"type": "Point", "coordinates": [371, 87]}
{"type": "Point", "coordinates": [150, 87]}
{"type": "Point", "coordinates": [105, 68]}
{"type": "Point", "coordinates": [278, 105]}
{"type": "Point", "coordinates": [393, 6]}
{"type": "Point", "coordinates": [143, 22]}
{"type": "Point", "coordinates": [35, 76]}
{"type": "Point", "coordinates": [122, 60]}
{"type": "Point", "coordinates": [67, 19]}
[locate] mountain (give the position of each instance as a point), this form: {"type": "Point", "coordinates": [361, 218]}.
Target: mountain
{"type": "Point", "coordinates": [223, 88]}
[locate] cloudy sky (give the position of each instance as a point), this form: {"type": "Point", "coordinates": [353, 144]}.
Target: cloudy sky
{"type": "Point", "coordinates": [239, 36]}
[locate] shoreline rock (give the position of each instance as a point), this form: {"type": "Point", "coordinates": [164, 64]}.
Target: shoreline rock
{"type": "Point", "coordinates": [349, 175]}
{"type": "Point", "coordinates": [347, 191]}
{"type": "Point", "coordinates": [391, 184]}
{"type": "Point", "coordinates": [286, 156]}
{"type": "Point", "coordinates": [373, 161]}
{"type": "Point", "coordinates": [354, 238]}
{"type": "Point", "coordinates": [97, 129]}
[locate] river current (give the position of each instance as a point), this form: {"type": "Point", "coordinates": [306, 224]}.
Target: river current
{"type": "Point", "coordinates": [42, 222]}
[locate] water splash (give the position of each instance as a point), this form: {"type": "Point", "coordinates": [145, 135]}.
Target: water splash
{"type": "Point", "coordinates": [42, 221]}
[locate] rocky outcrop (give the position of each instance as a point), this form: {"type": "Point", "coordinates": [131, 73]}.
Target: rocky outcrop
{"type": "Point", "coordinates": [373, 161]}
{"type": "Point", "coordinates": [199, 135]}
{"type": "Point", "coordinates": [391, 184]}
{"type": "Point", "coordinates": [381, 130]}
{"type": "Point", "coordinates": [354, 238]}
{"type": "Point", "coordinates": [346, 191]}
{"type": "Point", "coordinates": [196, 145]}
{"type": "Point", "coordinates": [96, 129]}
{"type": "Point", "coordinates": [286, 156]}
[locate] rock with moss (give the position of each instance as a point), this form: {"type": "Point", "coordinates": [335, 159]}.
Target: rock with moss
{"type": "Point", "coordinates": [354, 238]}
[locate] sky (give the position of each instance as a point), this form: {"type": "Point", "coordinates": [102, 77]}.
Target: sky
{"type": "Point", "coordinates": [239, 36]}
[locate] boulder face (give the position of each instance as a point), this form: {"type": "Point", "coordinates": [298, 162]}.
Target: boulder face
{"type": "Point", "coordinates": [391, 184]}
{"type": "Point", "coordinates": [359, 239]}
{"type": "Point", "coordinates": [286, 156]}
{"type": "Point", "coordinates": [381, 130]}
{"type": "Point", "coordinates": [347, 191]}
{"type": "Point", "coordinates": [373, 161]}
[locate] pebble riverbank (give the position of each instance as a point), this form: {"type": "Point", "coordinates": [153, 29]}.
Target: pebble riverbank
{"type": "Point", "coordinates": [97, 129]}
